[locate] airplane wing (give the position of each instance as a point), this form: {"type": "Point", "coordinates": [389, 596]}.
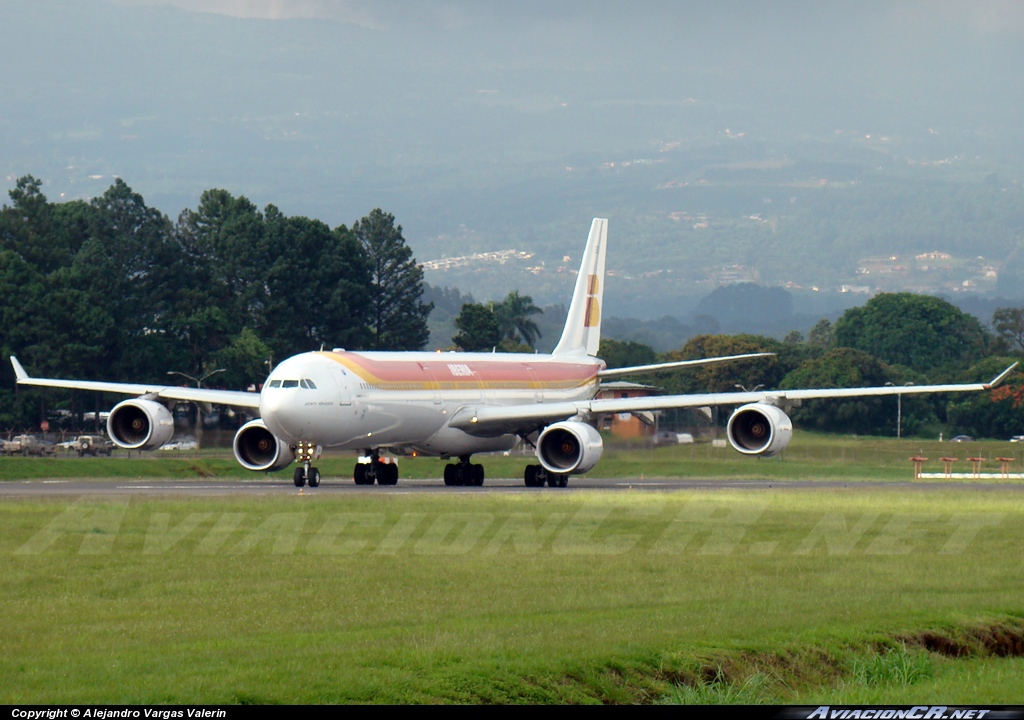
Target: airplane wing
{"type": "Point", "coordinates": [232, 398]}
{"type": "Point", "coordinates": [641, 369]}
{"type": "Point", "coordinates": [488, 420]}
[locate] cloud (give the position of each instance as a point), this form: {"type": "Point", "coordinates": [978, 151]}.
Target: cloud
{"type": "Point", "coordinates": [984, 16]}
{"type": "Point", "coordinates": [355, 11]}
{"type": "Point", "coordinates": [454, 13]}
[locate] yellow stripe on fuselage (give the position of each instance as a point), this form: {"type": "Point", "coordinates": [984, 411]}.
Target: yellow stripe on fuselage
{"type": "Point", "coordinates": [470, 382]}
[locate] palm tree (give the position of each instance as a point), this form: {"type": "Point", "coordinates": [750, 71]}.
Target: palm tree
{"type": "Point", "coordinates": [513, 314]}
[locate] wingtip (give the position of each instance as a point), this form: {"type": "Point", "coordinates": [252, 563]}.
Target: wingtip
{"type": "Point", "coordinates": [19, 371]}
{"type": "Point", "coordinates": [1002, 376]}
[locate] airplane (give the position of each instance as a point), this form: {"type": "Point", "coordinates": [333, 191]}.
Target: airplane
{"type": "Point", "coordinates": [454, 405]}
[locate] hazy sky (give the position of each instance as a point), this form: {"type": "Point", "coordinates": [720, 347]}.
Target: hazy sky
{"type": "Point", "coordinates": [514, 119]}
{"type": "Point", "coordinates": [988, 16]}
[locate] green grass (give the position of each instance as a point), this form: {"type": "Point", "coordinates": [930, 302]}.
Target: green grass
{"type": "Point", "coordinates": [811, 456]}
{"type": "Point", "coordinates": [718, 690]}
{"type": "Point", "coordinates": [753, 596]}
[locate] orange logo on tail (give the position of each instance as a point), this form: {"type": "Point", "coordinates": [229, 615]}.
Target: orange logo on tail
{"type": "Point", "coordinates": [593, 317]}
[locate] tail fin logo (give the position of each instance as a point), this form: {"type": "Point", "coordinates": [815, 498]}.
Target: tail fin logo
{"type": "Point", "coordinates": [593, 315]}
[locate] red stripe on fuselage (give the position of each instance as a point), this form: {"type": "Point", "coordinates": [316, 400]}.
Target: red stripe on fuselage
{"type": "Point", "coordinates": [466, 371]}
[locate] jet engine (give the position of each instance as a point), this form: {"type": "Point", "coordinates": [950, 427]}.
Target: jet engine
{"type": "Point", "coordinates": [760, 429]}
{"type": "Point", "coordinates": [569, 447]}
{"type": "Point", "coordinates": [256, 448]}
{"type": "Point", "coordinates": [140, 424]}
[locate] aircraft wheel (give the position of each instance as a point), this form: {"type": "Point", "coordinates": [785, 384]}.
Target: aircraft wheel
{"type": "Point", "coordinates": [299, 477]}
{"type": "Point", "coordinates": [359, 474]}
{"type": "Point", "coordinates": [314, 478]}
{"type": "Point", "coordinates": [531, 476]}
{"type": "Point", "coordinates": [557, 480]}
{"type": "Point", "coordinates": [387, 474]}
{"type": "Point", "coordinates": [477, 473]}
{"type": "Point", "coordinates": [453, 476]}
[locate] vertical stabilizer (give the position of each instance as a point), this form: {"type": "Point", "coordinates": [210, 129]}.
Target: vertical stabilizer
{"type": "Point", "coordinates": [582, 333]}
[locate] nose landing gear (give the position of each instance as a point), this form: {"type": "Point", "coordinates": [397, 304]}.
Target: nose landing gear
{"type": "Point", "coordinates": [305, 452]}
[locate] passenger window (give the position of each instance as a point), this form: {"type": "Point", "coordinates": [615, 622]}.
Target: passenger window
{"type": "Point", "coordinates": [290, 384]}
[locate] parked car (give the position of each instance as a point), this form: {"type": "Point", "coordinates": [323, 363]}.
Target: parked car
{"type": "Point", "coordinates": [1017, 438]}
{"type": "Point", "coordinates": [28, 445]}
{"type": "Point", "coordinates": [961, 438]}
{"type": "Point", "coordinates": [92, 445]}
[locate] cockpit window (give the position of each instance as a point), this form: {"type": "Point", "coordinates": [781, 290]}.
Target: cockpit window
{"type": "Point", "coordinates": [303, 383]}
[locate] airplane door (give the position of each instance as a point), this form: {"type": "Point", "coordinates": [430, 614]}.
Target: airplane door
{"type": "Point", "coordinates": [430, 381]}
{"type": "Point", "coordinates": [343, 381]}
{"type": "Point", "coordinates": [535, 385]}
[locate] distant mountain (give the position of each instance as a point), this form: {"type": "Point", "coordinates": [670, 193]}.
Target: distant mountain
{"type": "Point", "coordinates": [780, 143]}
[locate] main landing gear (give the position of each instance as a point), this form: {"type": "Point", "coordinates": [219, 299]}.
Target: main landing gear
{"type": "Point", "coordinates": [464, 473]}
{"type": "Point", "coordinates": [304, 453]}
{"type": "Point", "coordinates": [375, 471]}
{"type": "Point", "coordinates": [536, 476]}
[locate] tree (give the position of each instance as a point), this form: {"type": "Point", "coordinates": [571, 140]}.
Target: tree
{"type": "Point", "coordinates": [126, 270]}
{"type": "Point", "coordinates": [998, 413]}
{"type": "Point", "coordinates": [221, 242]}
{"type": "Point", "coordinates": [478, 328]}
{"type": "Point", "coordinates": [846, 367]}
{"type": "Point", "coordinates": [1009, 324]}
{"type": "Point", "coordinates": [513, 315]}
{"type": "Point", "coordinates": [245, 359]}
{"type": "Point", "coordinates": [919, 331]}
{"type": "Point", "coordinates": [724, 377]}
{"type": "Point", "coordinates": [617, 353]}
{"type": "Point", "coordinates": [316, 288]}
{"type": "Point", "coordinates": [822, 335]}
{"type": "Point", "coordinates": [397, 317]}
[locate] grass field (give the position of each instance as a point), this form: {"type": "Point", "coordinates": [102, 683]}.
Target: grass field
{"type": "Point", "coordinates": [849, 595]}
{"type": "Point", "coordinates": [810, 456]}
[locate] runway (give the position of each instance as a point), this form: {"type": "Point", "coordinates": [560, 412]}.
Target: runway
{"type": "Point", "coordinates": [333, 487]}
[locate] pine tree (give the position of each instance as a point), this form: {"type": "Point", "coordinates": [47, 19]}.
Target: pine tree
{"type": "Point", "coordinates": [398, 317]}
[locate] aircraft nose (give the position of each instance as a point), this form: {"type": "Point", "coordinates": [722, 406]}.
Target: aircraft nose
{"type": "Point", "coordinates": [282, 413]}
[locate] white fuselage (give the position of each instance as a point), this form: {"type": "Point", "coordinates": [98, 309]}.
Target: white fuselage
{"type": "Point", "coordinates": [404, 401]}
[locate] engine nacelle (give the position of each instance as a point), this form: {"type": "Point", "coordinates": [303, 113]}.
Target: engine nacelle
{"type": "Point", "coordinates": [569, 447]}
{"type": "Point", "coordinates": [140, 425]}
{"type": "Point", "coordinates": [256, 448]}
{"type": "Point", "coordinates": [760, 429]}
